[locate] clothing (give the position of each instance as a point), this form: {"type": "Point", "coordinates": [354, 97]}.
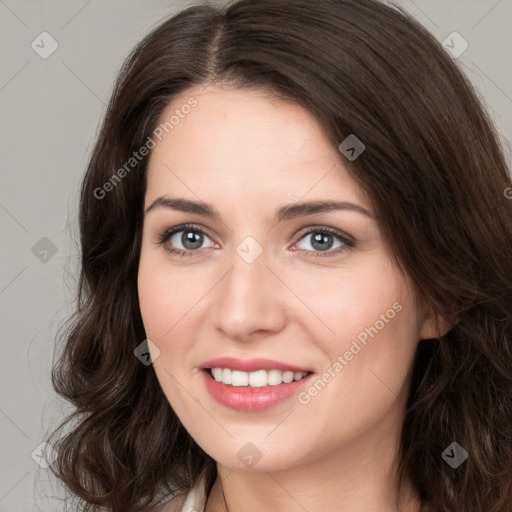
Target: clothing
{"type": "Point", "coordinates": [196, 498]}
{"type": "Point", "coordinates": [193, 500]}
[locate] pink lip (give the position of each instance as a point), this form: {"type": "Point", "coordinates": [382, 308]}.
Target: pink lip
{"type": "Point", "coordinates": [251, 365]}
{"type": "Point", "coordinates": [252, 399]}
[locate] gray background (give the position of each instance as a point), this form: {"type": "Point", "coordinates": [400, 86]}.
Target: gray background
{"type": "Point", "coordinates": [50, 112]}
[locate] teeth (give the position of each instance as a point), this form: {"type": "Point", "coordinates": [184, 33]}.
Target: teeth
{"type": "Point", "coordinates": [257, 379]}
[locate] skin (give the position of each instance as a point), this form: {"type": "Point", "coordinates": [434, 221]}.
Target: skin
{"type": "Point", "coordinates": [247, 153]}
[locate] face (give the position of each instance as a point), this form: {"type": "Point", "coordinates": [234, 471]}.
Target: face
{"type": "Point", "coordinates": [308, 288]}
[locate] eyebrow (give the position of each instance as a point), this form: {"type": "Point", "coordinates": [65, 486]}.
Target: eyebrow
{"type": "Point", "coordinates": [286, 212]}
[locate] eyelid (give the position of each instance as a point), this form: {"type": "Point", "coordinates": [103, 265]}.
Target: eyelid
{"type": "Point", "coordinates": [187, 225]}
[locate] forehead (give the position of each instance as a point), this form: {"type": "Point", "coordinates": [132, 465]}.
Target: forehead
{"type": "Point", "coordinates": [245, 143]}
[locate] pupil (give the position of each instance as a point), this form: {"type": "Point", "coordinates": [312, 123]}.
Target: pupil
{"type": "Point", "coordinates": [193, 238]}
{"type": "Point", "coordinates": [320, 241]}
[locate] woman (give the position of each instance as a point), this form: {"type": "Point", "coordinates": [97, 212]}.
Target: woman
{"type": "Point", "coordinates": [295, 290]}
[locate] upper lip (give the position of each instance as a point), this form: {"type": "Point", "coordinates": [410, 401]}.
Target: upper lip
{"type": "Point", "coordinates": [252, 365]}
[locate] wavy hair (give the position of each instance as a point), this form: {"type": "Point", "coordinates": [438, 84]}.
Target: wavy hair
{"type": "Point", "coordinates": [436, 174]}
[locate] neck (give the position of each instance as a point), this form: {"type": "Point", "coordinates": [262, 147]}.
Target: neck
{"type": "Point", "coordinates": [359, 476]}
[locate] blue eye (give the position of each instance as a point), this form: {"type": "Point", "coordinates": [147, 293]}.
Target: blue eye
{"type": "Point", "coordinates": [325, 242]}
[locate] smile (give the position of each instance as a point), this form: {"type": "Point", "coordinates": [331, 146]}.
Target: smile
{"type": "Point", "coordinates": [255, 379]}
{"type": "Point", "coordinates": [243, 397]}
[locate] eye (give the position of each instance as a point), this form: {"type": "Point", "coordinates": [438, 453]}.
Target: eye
{"type": "Point", "coordinates": [325, 241]}
{"type": "Point", "coordinates": [185, 240]}
{"type": "Point", "coordinates": [188, 240]}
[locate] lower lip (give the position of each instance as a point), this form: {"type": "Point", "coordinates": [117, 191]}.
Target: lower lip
{"type": "Point", "coordinates": [252, 399]}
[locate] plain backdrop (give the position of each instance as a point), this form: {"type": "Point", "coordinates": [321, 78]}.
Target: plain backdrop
{"type": "Point", "coordinates": [51, 106]}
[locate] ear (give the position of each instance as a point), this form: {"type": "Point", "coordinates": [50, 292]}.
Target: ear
{"type": "Point", "coordinates": [434, 325]}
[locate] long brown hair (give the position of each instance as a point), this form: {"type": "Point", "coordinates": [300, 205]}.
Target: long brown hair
{"type": "Point", "coordinates": [436, 175]}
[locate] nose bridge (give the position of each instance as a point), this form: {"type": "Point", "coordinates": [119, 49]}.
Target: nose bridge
{"type": "Point", "coordinates": [246, 283]}
{"type": "Point", "coordinates": [249, 298]}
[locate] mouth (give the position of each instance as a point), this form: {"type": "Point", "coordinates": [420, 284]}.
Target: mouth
{"type": "Point", "coordinates": [254, 379]}
{"type": "Point", "coordinates": [254, 391]}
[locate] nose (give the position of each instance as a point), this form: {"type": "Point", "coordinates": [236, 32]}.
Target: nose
{"type": "Point", "coordinates": [249, 300]}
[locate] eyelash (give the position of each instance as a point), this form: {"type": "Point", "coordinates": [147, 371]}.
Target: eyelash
{"type": "Point", "coordinates": [348, 242]}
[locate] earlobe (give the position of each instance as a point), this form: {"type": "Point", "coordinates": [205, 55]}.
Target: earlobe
{"type": "Point", "coordinates": [434, 326]}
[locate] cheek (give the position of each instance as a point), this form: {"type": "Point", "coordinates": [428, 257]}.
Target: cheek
{"type": "Point", "coordinates": [164, 296]}
{"type": "Point", "coordinates": [163, 302]}
{"type": "Point", "coordinates": [346, 302]}
{"type": "Point", "coordinates": [171, 304]}
{"type": "Point", "coordinates": [370, 330]}
{"type": "Point", "coordinates": [154, 301]}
